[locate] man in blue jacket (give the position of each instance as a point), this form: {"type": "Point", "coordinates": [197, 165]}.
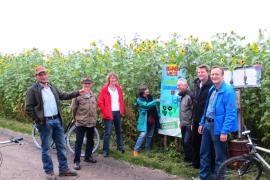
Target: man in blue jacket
{"type": "Point", "coordinates": [219, 119]}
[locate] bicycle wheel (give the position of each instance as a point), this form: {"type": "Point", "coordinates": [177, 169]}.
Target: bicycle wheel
{"type": "Point", "coordinates": [240, 167]}
{"type": "Point", "coordinates": [36, 137]}
{"type": "Point", "coordinates": [1, 158]}
{"type": "Point", "coordinates": [71, 139]}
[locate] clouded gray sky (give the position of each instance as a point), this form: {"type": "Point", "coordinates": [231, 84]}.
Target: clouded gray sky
{"type": "Point", "coordinates": [73, 24]}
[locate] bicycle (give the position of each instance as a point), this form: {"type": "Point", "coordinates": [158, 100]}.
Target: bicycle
{"type": "Point", "coordinates": [247, 166]}
{"type": "Point", "coordinates": [70, 136]}
{"type": "Point", "coordinates": [12, 140]}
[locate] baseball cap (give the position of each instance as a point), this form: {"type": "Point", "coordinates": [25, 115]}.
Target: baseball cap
{"type": "Point", "coordinates": [87, 80]}
{"type": "Point", "coordinates": [40, 69]}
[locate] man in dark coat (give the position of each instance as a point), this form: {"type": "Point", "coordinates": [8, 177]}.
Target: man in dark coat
{"type": "Point", "coordinates": [200, 91]}
{"type": "Point", "coordinates": [43, 106]}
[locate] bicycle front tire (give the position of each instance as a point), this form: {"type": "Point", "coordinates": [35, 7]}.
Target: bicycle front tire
{"type": "Point", "coordinates": [71, 139]}
{"type": "Point", "coordinates": [36, 137]}
{"type": "Point", "coordinates": [240, 167]}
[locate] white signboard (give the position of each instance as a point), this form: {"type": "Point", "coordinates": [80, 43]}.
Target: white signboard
{"type": "Point", "coordinates": [244, 77]}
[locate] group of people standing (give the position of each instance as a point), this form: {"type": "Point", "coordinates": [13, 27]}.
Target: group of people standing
{"type": "Point", "coordinates": [43, 106]}
{"type": "Point", "coordinates": [208, 114]}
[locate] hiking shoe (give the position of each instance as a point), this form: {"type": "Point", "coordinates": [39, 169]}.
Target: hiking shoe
{"type": "Point", "coordinates": [68, 172]}
{"type": "Point", "coordinates": [121, 150]}
{"type": "Point", "coordinates": [77, 166]}
{"type": "Point", "coordinates": [90, 160]}
{"type": "Point", "coordinates": [50, 176]}
{"type": "Point", "coordinates": [105, 154]}
{"type": "Point", "coordinates": [135, 153]}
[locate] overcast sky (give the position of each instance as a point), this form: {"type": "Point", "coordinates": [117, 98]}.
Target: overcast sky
{"type": "Point", "coordinates": [73, 24]}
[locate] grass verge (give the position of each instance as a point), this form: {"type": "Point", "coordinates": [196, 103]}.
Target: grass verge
{"type": "Point", "coordinates": [15, 125]}
{"type": "Point", "coordinates": [158, 159]}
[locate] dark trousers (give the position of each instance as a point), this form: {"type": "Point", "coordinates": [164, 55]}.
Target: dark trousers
{"type": "Point", "coordinates": [80, 132]}
{"type": "Point", "coordinates": [108, 130]}
{"type": "Point", "coordinates": [186, 142]}
{"type": "Point", "coordinates": [196, 145]}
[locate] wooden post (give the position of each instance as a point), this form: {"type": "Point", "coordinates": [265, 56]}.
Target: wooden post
{"type": "Point", "coordinates": [239, 111]}
{"type": "Point", "coordinates": [177, 144]}
{"type": "Point", "coordinates": [165, 142]}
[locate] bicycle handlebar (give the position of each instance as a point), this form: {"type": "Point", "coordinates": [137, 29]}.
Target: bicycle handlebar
{"type": "Point", "coordinates": [12, 140]}
{"type": "Point", "coordinates": [246, 132]}
{"type": "Point", "coordinates": [17, 140]}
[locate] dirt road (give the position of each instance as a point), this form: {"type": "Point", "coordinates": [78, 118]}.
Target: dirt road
{"type": "Point", "coordinates": [23, 162]}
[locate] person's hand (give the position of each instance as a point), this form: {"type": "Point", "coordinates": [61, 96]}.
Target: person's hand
{"type": "Point", "coordinates": [191, 127]}
{"type": "Point", "coordinates": [223, 137]}
{"type": "Point", "coordinates": [200, 129]}
{"type": "Point", "coordinates": [83, 92]}
{"type": "Point", "coordinates": [158, 100]}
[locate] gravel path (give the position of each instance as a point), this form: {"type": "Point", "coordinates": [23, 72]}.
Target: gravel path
{"type": "Point", "coordinates": [24, 163]}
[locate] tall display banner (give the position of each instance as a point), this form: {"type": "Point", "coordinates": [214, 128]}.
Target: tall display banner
{"type": "Point", "coordinates": [169, 100]}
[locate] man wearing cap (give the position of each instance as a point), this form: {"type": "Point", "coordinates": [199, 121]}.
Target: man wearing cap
{"type": "Point", "coordinates": [43, 106]}
{"type": "Point", "coordinates": [84, 112]}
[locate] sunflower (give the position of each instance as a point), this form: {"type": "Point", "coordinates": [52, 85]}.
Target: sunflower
{"type": "Point", "coordinates": [242, 62]}
{"type": "Point", "coordinates": [93, 43]}
{"type": "Point", "coordinates": [116, 45]}
{"type": "Point", "coordinates": [182, 51]}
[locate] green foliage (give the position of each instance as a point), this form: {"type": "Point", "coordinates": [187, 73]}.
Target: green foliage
{"type": "Point", "coordinates": [137, 63]}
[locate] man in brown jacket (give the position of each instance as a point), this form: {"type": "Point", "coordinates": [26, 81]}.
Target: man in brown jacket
{"type": "Point", "coordinates": [84, 111]}
{"type": "Point", "coordinates": [43, 106]}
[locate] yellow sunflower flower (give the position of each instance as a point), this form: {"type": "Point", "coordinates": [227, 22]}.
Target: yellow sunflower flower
{"type": "Point", "coordinates": [116, 45]}
{"type": "Point", "coordinates": [93, 43]}
{"type": "Point", "coordinates": [242, 62]}
{"type": "Point", "coordinates": [182, 51]}
{"type": "Point", "coordinates": [49, 61]}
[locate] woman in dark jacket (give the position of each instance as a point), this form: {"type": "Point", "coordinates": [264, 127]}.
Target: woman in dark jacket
{"type": "Point", "coordinates": [148, 118]}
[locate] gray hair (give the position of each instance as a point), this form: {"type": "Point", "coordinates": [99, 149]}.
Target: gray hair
{"type": "Point", "coordinates": [184, 81]}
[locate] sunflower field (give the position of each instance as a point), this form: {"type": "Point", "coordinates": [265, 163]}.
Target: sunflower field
{"type": "Point", "coordinates": [137, 63]}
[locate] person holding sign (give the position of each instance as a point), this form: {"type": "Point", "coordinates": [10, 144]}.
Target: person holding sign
{"type": "Point", "coordinates": [148, 118]}
{"type": "Point", "coordinates": [218, 120]}
{"type": "Point", "coordinates": [185, 117]}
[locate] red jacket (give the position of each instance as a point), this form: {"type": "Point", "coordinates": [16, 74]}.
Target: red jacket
{"type": "Point", "coordinates": [105, 105]}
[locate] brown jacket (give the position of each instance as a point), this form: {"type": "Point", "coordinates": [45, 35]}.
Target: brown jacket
{"type": "Point", "coordinates": [34, 103]}
{"type": "Point", "coordinates": [84, 110]}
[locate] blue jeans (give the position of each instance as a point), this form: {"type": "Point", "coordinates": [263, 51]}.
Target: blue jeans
{"type": "Point", "coordinates": [148, 134]}
{"type": "Point", "coordinates": [209, 139]}
{"type": "Point", "coordinates": [108, 130]}
{"type": "Point", "coordinates": [52, 130]}
{"type": "Point", "coordinates": [186, 142]}
{"type": "Point", "coordinates": [80, 131]}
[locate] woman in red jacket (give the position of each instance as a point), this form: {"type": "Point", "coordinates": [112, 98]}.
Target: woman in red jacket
{"type": "Point", "coordinates": [111, 105]}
